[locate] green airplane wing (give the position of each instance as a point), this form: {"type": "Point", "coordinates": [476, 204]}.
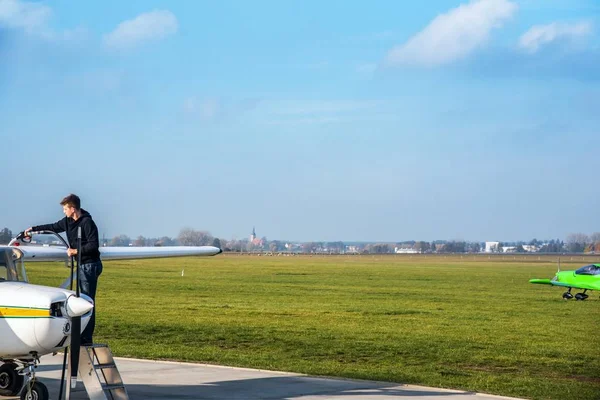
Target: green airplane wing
{"type": "Point", "coordinates": [556, 283]}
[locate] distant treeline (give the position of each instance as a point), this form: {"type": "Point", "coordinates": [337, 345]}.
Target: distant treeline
{"type": "Point", "coordinates": [574, 243]}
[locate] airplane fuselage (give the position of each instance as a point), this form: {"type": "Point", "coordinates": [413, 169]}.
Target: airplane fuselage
{"type": "Point", "coordinates": [34, 319]}
{"type": "Point", "coordinates": [571, 278]}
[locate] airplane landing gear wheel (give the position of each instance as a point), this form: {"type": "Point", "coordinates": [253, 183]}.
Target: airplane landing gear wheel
{"type": "Point", "coordinates": [567, 295]}
{"type": "Point", "coordinates": [581, 296]}
{"type": "Point", "coordinates": [10, 380]}
{"type": "Point", "coordinates": [38, 391]}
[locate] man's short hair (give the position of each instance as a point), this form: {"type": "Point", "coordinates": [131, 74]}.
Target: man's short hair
{"type": "Point", "coordinates": [71, 200]}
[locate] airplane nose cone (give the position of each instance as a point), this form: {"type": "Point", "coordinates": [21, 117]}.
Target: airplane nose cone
{"type": "Point", "coordinates": [76, 306]}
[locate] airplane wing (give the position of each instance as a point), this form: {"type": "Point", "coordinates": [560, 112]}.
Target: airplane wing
{"type": "Point", "coordinates": [563, 284]}
{"type": "Point", "coordinates": [122, 253]}
{"type": "Point", "coordinates": [57, 253]}
{"type": "Point", "coordinates": [39, 253]}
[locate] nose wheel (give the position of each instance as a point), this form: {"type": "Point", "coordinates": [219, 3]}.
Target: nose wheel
{"type": "Point", "coordinates": [567, 295]}
{"type": "Point", "coordinates": [35, 391]}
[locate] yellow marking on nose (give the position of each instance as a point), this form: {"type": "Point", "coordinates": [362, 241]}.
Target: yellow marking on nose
{"type": "Point", "coordinates": [24, 312]}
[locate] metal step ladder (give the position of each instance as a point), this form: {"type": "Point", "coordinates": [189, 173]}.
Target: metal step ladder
{"type": "Point", "coordinates": [99, 374]}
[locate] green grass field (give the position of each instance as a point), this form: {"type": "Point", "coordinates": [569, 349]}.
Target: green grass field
{"type": "Point", "coordinates": [468, 322]}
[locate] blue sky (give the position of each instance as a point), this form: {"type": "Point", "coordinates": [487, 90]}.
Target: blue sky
{"type": "Point", "coordinates": [311, 120]}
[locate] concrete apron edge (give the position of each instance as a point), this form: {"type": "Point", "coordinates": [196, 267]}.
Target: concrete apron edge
{"type": "Point", "coordinates": [408, 386]}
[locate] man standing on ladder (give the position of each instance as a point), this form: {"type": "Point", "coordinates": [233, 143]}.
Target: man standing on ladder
{"type": "Point", "coordinates": [91, 265]}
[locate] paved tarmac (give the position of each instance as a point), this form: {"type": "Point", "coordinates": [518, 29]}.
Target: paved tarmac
{"type": "Point", "coordinates": [173, 380]}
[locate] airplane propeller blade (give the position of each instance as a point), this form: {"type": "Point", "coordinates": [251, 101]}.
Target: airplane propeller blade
{"type": "Point", "coordinates": [76, 322]}
{"type": "Point", "coordinates": [75, 348]}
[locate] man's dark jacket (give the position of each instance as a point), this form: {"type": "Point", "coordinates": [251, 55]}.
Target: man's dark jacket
{"type": "Point", "coordinates": [89, 235]}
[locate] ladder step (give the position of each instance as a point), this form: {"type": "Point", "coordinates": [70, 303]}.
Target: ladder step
{"type": "Point", "coordinates": [103, 380]}
{"type": "Point", "coordinates": [103, 355]}
{"type": "Point", "coordinates": [112, 387]}
{"type": "Point", "coordinates": [95, 346]}
{"type": "Point", "coordinates": [105, 366]}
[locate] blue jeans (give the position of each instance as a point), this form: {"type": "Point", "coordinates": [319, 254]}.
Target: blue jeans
{"type": "Point", "coordinates": [88, 282]}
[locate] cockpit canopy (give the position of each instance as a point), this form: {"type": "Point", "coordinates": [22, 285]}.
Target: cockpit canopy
{"type": "Point", "coordinates": [592, 269]}
{"type": "Point", "coordinates": [10, 265]}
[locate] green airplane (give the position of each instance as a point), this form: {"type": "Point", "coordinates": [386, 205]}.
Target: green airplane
{"type": "Point", "coordinates": [586, 278]}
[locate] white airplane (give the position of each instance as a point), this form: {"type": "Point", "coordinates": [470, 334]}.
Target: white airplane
{"type": "Point", "coordinates": [37, 320]}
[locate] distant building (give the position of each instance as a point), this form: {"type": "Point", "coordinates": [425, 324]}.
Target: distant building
{"type": "Point", "coordinates": [491, 247]}
{"type": "Point", "coordinates": [530, 248]}
{"type": "Point", "coordinates": [405, 250]}
{"type": "Point", "coordinates": [352, 249]}
{"type": "Point", "coordinates": [254, 240]}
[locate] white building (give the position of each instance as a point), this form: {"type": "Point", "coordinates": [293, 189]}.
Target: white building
{"type": "Point", "coordinates": [530, 248]}
{"type": "Point", "coordinates": [405, 250]}
{"type": "Point", "coordinates": [491, 247]}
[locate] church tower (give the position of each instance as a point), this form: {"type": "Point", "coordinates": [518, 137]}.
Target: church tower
{"type": "Point", "coordinates": [253, 236]}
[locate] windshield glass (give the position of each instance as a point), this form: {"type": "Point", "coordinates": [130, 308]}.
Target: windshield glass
{"type": "Point", "coordinates": [10, 265]}
{"type": "Point", "coordinates": [588, 270]}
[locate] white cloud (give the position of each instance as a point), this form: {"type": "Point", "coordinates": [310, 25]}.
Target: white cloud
{"type": "Point", "coordinates": [540, 35]}
{"type": "Point", "coordinates": [453, 35]}
{"type": "Point", "coordinates": [31, 17]}
{"type": "Point", "coordinates": [145, 27]}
